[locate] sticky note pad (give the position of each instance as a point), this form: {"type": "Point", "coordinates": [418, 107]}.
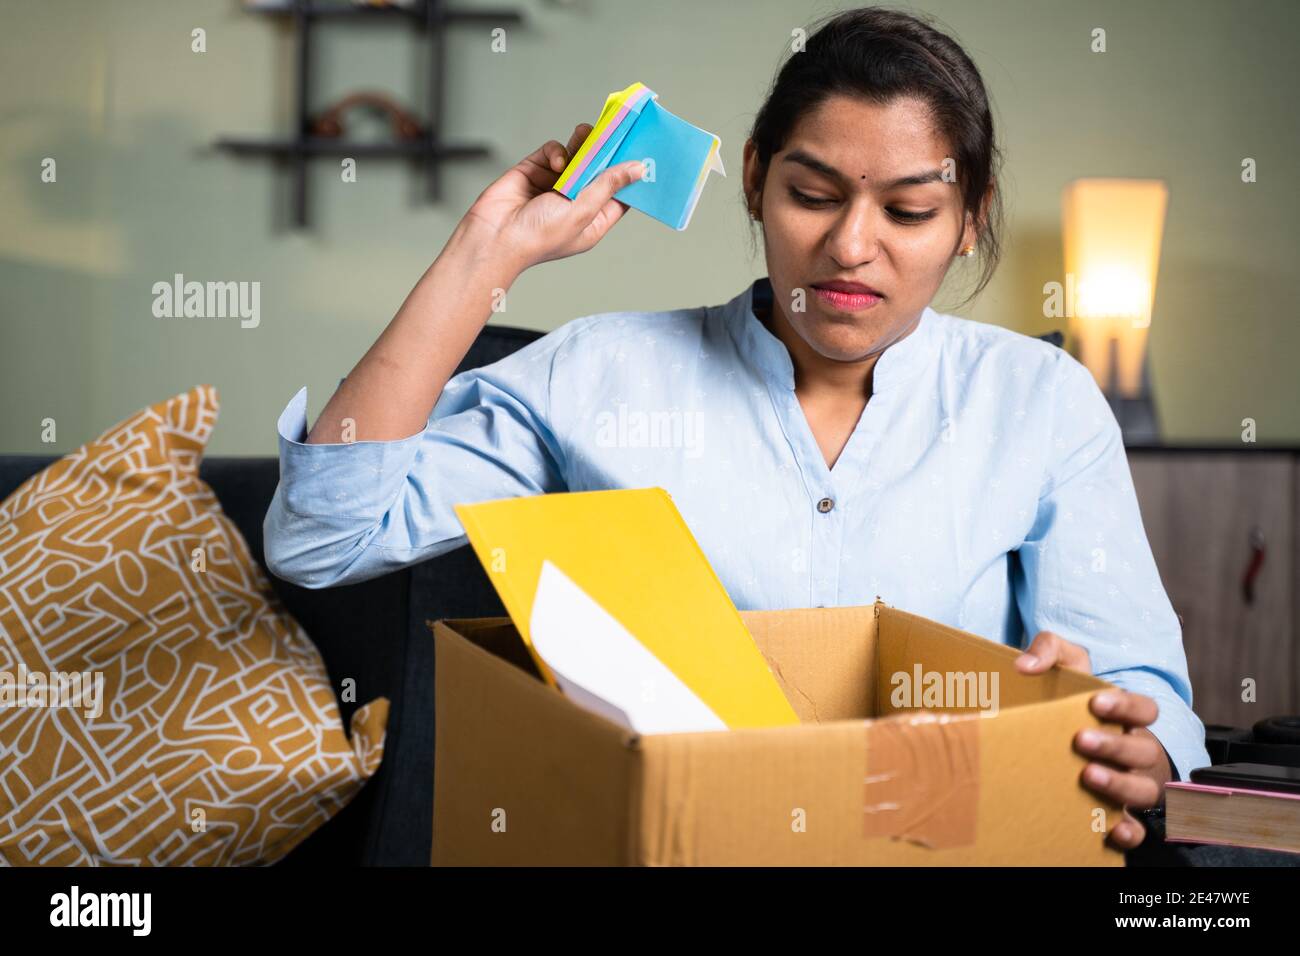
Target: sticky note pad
{"type": "Point", "coordinates": [621, 610]}
{"type": "Point", "coordinates": [678, 156]}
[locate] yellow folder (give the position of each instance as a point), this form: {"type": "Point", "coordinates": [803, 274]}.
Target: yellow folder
{"type": "Point", "coordinates": [620, 568]}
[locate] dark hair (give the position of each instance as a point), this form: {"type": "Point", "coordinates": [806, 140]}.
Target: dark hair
{"type": "Point", "coordinates": [881, 55]}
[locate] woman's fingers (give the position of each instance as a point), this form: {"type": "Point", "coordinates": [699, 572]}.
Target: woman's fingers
{"type": "Point", "coordinates": [1135, 751]}
{"type": "Point", "coordinates": [1118, 784]}
{"type": "Point", "coordinates": [1118, 761]}
{"type": "Point", "coordinates": [1128, 833]}
{"type": "Point", "coordinates": [544, 165]}
{"type": "Point", "coordinates": [591, 201]}
{"type": "Point", "coordinates": [1048, 649]}
{"type": "Point", "coordinates": [1124, 707]}
{"type": "Point", "coordinates": [580, 134]}
{"type": "Point", "coordinates": [556, 157]}
{"type": "Point", "coordinates": [559, 227]}
{"type": "Point", "coordinates": [539, 166]}
{"type": "Point", "coordinates": [609, 214]}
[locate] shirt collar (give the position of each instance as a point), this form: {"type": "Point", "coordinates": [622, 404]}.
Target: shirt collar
{"type": "Point", "coordinates": [769, 356]}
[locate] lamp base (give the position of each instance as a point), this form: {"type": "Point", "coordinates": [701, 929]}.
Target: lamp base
{"type": "Point", "coordinates": [1137, 415]}
{"type": "Point", "coordinates": [1137, 419]}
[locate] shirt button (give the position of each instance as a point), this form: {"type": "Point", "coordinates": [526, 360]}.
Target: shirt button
{"type": "Point", "coordinates": [825, 505]}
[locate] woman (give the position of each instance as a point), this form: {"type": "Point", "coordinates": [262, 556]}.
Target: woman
{"type": "Point", "coordinates": [826, 434]}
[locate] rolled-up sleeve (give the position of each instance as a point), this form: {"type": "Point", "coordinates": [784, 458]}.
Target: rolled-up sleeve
{"type": "Point", "coordinates": [348, 512]}
{"type": "Point", "coordinates": [1086, 571]}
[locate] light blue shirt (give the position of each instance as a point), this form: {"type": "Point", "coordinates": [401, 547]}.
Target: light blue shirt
{"type": "Point", "coordinates": [985, 485]}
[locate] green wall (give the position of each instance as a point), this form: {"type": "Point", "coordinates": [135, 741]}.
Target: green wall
{"type": "Point", "coordinates": [113, 92]}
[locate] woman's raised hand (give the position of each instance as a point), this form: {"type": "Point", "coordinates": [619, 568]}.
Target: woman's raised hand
{"type": "Point", "coordinates": [529, 222]}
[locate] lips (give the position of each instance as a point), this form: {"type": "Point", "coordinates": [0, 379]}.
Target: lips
{"type": "Point", "coordinates": [847, 296]}
{"type": "Point", "coordinates": [849, 288]}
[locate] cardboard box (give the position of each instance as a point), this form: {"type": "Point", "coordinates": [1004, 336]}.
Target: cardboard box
{"type": "Point", "coordinates": [872, 776]}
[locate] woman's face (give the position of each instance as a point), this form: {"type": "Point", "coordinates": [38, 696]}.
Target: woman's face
{"type": "Point", "coordinates": [837, 205]}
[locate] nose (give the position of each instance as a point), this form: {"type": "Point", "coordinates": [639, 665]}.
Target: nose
{"type": "Point", "coordinates": [853, 238]}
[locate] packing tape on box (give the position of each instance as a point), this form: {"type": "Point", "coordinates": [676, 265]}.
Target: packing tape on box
{"type": "Point", "coordinates": [922, 780]}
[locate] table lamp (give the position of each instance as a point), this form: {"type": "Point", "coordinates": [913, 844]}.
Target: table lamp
{"type": "Point", "coordinates": [1112, 232]}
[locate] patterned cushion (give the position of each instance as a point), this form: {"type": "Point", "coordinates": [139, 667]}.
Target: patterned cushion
{"type": "Point", "coordinates": [215, 737]}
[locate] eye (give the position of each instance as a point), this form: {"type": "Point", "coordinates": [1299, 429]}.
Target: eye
{"type": "Point", "coordinates": [814, 202]}
{"type": "Point", "coordinates": [903, 215]}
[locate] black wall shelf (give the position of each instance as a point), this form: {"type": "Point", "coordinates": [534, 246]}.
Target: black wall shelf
{"type": "Point", "coordinates": [429, 150]}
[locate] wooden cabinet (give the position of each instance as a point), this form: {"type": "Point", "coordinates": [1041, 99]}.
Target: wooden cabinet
{"type": "Point", "coordinates": [1204, 513]}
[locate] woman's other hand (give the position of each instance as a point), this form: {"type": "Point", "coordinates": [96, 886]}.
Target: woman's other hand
{"type": "Point", "coordinates": [524, 217]}
{"type": "Point", "coordinates": [1129, 767]}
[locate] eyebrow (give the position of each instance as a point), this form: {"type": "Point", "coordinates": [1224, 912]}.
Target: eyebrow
{"type": "Point", "coordinates": [817, 165]}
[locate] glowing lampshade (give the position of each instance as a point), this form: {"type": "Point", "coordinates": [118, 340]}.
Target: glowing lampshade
{"type": "Point", "coordinates": [1112, 229]}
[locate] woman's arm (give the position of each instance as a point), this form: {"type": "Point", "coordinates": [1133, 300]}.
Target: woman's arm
{"type": "Point", "coordinates": [373, 487]}
{"type": "Point", "coordinates": [392, 390]}
{"type": "Point", "coordinates": [517, 222]}
{"type": "Point", "coordinates": [1085, 570]}
{"type": "Point", "coordinates": [1085, 574]}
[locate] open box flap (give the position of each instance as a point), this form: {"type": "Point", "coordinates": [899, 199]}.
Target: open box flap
{"type": "Point", "coordinates": [625, 564]}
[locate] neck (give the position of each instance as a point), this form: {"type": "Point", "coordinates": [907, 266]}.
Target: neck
{"type": "Point", "coordinates": [815, 375]}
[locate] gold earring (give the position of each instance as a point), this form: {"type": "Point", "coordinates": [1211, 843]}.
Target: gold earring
{"type": "Point", "coordinates": [968, 251]}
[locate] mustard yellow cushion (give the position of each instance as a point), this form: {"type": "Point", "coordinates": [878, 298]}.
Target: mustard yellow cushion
{"type": "Point", "coordinates": [218, 738]}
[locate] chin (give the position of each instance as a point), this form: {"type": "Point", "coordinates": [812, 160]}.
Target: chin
{"type": "Point", "coordinates": [844, 341]}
